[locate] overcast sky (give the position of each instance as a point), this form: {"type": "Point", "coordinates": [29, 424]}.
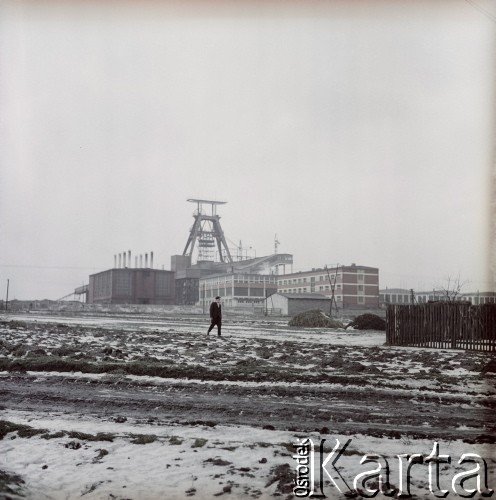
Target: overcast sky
{"type": "Point", "coordinates": [358, 132]}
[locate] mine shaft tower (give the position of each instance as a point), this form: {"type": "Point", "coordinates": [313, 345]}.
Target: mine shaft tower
{"type": "Point", "coordinates": [208, 232]}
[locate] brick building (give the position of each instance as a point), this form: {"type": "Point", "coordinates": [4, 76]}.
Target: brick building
{"type": "Point", "coordinates": [355, 287]}
{"type": "Point", "coordinates": [132, 286]}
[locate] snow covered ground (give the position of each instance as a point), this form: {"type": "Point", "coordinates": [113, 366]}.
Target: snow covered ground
{"type": "Point", "coordinates": [220, 417]}
{"type": "Point", "coordinates": [180, 462]}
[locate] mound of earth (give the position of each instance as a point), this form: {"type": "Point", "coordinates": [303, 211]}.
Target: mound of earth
{"type": "Point", "coordinates": [315, 319]}
{"type": "Point", "coordinates": [368, 322]}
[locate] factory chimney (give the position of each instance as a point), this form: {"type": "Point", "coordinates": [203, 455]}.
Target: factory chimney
{"type": "Point", "coordinates": [120, 260]}
{"type": "Point", "coordinates": [146, 260]}
{"type": "Point", "coordinates": [115, 260]}
{"type": "Point", "coordinates": [123, 259]}
{"type": "Point", "coordinates": [141, 261]}
{"type": "Point", "coordinates": [151, 260]}
{"type": "Point", "coordinates": [129, 258]}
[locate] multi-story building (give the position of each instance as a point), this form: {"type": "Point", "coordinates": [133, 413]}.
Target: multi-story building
{"type": "Point", "coordinates": [404, 296]}
{"type": "Point", "coordinates": [190, 278]}
{"type": "Point", "coordinates": [354, 286]}
{"type": "Point", "coordinates": [237, 289]}
{"type": "Point", "coordinates": [132, 286]}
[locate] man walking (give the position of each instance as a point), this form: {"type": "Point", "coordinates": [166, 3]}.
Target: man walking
{"type": "Point", "coordinates": [215, 315]}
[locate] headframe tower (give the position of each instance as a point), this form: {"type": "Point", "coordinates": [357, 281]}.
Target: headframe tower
{"type": "Point", "coordinates": [208, 232]}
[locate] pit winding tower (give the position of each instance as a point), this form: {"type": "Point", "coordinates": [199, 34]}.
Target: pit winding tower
{"type": "Point", "coordinates": [208, 232]}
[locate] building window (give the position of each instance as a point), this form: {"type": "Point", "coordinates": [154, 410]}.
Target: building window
{"type": "Point", "coordinates": [162, 285]}
{"type": "Point", "coordinates": [361, 300]}
{"type": "Point", "coordinates": [123, 283]}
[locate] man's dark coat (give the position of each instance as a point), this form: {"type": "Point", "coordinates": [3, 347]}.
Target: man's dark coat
{"type": "Point", "coordinates": [215, 311]}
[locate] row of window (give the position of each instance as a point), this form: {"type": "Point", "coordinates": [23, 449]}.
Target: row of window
{"type": "Point", "coordinates": [234, 302]}
{"type": "Point", "coordinates": [423, 299]}
{"type": "Point", "coordinates": [320, 288]}
{"type": "Point", "coordinates": [478, 300]}
{"type": "Point", "coordinates": [333, 278]}
{"type": "Point", "coordinates": [306, 289]}
{"type": "Point", "coordinates": [238, 278]}
{"type": "Point", "coordinates": [238, 292]}
{"type": "Point", "coordinates": [311, 279]}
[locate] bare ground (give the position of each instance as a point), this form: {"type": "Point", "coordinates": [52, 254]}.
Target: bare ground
{"type": "Point", "coordinates": [260, 373]}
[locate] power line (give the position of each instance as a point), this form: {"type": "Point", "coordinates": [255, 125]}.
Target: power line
{"type": "Point", "coordinates": [483, 11]}
{"type": "Point", "coordinates": [29, 266]}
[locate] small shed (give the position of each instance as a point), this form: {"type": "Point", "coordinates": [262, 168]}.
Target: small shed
{"type": "Point", "coordinates": [290, 304]}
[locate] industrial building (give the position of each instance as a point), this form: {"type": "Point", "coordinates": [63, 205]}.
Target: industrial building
{"type": "Point", "coordinates": [250, 279]}
{"type": "Point", "coordinates": [353, 287]}
{"type": "Point", "coordinates": [289, 304]}
{"type": "Point", "coordinates": [215, 265]}
{"type": "Point", "coordinates": [132, 286]}
{"type": "Point", "coordinates": [194, 282]}
{"type": "Point", "coordinates": [404, 296]}
{"type": "Point", "coordinates": [237, 289]}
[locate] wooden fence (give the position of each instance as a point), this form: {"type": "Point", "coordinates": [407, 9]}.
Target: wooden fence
{"type": "Point", "coordinates": [442, 325]}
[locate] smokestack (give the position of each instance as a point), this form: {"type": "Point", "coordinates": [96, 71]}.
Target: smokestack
{"type": "Point", "coordinates": [120, 260]}
{"type": "Point", "coordinates": [129, 258]}
{"type": "Point", "coordinates": [141, 261]}
{"type": "Point", "coordinates": [115, 260]}
{"type": "Point", "coordinates": [146, 260]}
{"type": "Point", "coordinates": [136, 261]}
{"type": "Point", "coordinates": [151, 260]}
{"type": "Point", "coordinates": [123, 259]}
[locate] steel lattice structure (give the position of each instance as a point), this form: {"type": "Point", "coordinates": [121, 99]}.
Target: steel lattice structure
{"type": "Point", "coordinates": [207, 232]}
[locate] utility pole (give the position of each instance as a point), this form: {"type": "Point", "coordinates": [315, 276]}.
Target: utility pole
{"type": "Point", "coordinates": [333, 286]}
{"type": "Point", "coordinates": [7, 297]}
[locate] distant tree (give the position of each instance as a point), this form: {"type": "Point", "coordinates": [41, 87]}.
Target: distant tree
{"type": "Point", "coordinates": [451, 290]}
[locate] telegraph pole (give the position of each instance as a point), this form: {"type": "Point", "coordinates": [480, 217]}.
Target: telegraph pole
{"type": "Point", "coordinates": [7, 297]}
{"type": "Point", "coordinates": [332, 282]}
